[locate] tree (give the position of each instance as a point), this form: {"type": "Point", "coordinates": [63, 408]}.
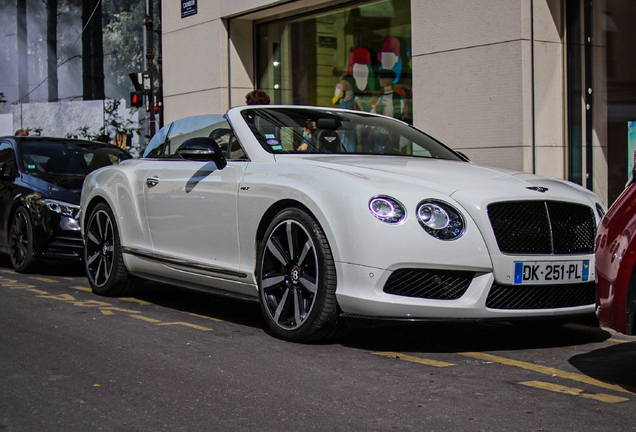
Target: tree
{"type": "Point", "coordinates": [124, 49]}
{"type": "Point", "coordinates": [92, 51]}
{"type": "Point", "coordinates": [51, 44]}
{"type": "Point", "coordinates": [23, 71]}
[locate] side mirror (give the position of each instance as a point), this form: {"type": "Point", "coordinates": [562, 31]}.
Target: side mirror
{"type": "Point", "coordinates": [202, 150]}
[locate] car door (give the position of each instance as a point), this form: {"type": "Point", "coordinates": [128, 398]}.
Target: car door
{"type": "Point", "coordinates": [7, 187]}
{"type": "Point", "coordinates": [192, 206]}
{"type": "Point", "coordinates": [192, 215]}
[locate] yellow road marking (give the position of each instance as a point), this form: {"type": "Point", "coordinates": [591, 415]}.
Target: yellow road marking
{"type": "Point", "coordinates": [545, 370]}
{"type": "Point", "coordinates": [43, 279]}
{"type": "Point", "coordinates": [143, 318]}
{"type": "Point", "coordinates": [112, 308]}
{"type": "Point", "coordinates": [204, 317]}
{"type": "Point", "coordinates": [7, 271]}
{"type": "Point", "coordinates": [106, 312]}
{"type": "Point", "coordinates": [573, 391]}
{"type": "Point", "coordinates": [134, 300]}
{"type": "Point", "coordinates": [37, 291]}
{"type": "Point", "coordinates": [91, 303]}
{"type": "Point", "coordinates": [82, 288]}
{"type": "Point", "coordinates": [413, 359]}
{"type": "Point", "coordinates": [194, 326]}
{"type": "Point", "coordinates": [62, 297]}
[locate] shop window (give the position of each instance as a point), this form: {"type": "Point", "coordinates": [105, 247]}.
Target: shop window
{"type": "Point", "coordinates": [357, 57]}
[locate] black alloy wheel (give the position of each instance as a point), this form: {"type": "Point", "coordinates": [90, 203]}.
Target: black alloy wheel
{"type": "Point", "coordinates": [21, 241]}
{"type": "Point", "coordinates": [297, 279]}
{"type": "Point", "coordinates": [103, 258]}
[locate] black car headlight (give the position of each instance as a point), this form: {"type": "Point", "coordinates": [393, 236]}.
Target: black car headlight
{"type": "Point", "coordinates": [65, 209]}
{"type": "Point", "coordinates": [441, 220]}
{"type": "Point", "coordinates": [387, 209]}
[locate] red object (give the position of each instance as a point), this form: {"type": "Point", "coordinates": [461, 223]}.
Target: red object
{"type": "Point", "coordinates": [390, 44]}
{"type": "Point", "coordinates": [615, 258]}
{"type": "Point", "coordinates": [359, 55]}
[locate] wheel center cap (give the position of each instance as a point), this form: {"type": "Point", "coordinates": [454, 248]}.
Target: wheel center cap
{"type": "Point", "coordinates": [295, 274]}
{"type": "Point", "coordinates": [104, 248]}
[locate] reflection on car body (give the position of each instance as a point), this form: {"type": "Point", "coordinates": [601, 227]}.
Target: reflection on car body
{"type": "Point", "coordinates": [368, 218]}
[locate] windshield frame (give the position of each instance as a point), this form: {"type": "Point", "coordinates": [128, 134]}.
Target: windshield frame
{"type": "Point", "coordinates": [279, 130]}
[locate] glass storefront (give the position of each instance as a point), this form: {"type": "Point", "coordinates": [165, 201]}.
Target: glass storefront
{"type": "Point", "coordinates": [601, 71]}
{"type": "Point", "coordinates": [356, 57]}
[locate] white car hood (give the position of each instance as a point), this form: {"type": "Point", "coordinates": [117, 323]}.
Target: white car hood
{"type": "Point", "coordinates": [464, 181]}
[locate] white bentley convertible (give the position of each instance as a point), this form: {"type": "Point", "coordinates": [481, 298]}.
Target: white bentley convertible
{"type": "Point", "coordinates": [321, 214]}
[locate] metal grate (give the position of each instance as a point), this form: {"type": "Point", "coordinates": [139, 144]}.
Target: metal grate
{"type": "Point", "coordinates": [65, 245]}
{"type": "Point", "coordinates": [543, 227]}
{"type": "Point", "coordinates": [540, 296]}
{"type": "Point", "coordinates": [429, 284]}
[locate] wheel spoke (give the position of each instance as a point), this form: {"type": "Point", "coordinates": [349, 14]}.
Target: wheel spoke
{"type": "Point", "coordinates": [92, 238]}
{"type": "Point", "coordinates": [309, 284]}
{"type": "Point", "coordinates": [299, 307]}
{"type": "Point", "coordinates": [91, 259]}
{"type": "Point", "coordinates": [272, 281]}
{"type": "Point", "coordinates": [308, 247]}
{"type": "Point", "coordinates": [281, 306]}
{"type": "Point", "coordinates": [290, 240]}
{"type": "Point", "coordinates": [273, 247]}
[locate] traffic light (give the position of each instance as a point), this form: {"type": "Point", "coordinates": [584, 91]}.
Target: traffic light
{"type": "Point", "coordinates": [136, 99]}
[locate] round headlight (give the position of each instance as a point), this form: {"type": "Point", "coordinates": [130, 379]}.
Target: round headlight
{"type": "Point", "coordinates": [433, 216]}
{"type": "Point", "coordinates": [441, 220]}
{"type": "Point", "coordinates": [387, 209]}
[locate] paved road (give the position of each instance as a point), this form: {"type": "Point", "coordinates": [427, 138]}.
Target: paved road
{"type": "Point", "coordinates": [176, 360]}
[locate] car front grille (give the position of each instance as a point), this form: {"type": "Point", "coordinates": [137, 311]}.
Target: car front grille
{"type": "Point", "coordinates": [65, 246]}
{"type": "Point", "coordinates": [543, 227]}
{"type": "Point", "coordinates": [429, 284]}
{"type": "Point", "coordinates": [540, 296]}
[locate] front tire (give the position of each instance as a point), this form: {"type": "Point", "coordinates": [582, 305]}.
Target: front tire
{"type": "Point", "coordinates": [21, 241]}
{"type": "Point", "coordinates": [297, 279]}
{"type": "Point", "coordinates": [103, 259]}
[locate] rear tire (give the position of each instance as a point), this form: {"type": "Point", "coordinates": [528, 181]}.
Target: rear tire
{"type": "Point", "coordinates": [297, 279]}
{"type": "Point", "coordinates": [103, 259]}
{"type": "Point", "coordinates": [21, 241]}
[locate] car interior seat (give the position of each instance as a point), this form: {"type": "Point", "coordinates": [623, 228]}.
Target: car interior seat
{"type": "Point", "coordinates": [327, 141]}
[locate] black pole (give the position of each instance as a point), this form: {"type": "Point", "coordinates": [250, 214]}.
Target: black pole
{"type": "Point", "coordinates": [160, 68]}
{"type": "Point", "coordinates": [148, 22]}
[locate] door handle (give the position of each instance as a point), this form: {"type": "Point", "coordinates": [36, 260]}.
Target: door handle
{"type": "Point", "coordinates": [152, 181]}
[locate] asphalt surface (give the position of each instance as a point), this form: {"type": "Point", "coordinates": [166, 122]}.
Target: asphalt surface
{"type": "Point", "coordinates": [175, 360]}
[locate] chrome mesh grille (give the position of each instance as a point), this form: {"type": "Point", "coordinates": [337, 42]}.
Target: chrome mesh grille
{"type": "Point", "coordinates": [543, 227]}
{"type": "Point", "coordinates": [429, 284]}
{"type": "Point", "coordinates": [540, 296]}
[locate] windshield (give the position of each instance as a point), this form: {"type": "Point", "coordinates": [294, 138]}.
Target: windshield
{"type": "Point", "coordinates": [68, 158]}
{"type": "Point", "coordinates": [301, 130]}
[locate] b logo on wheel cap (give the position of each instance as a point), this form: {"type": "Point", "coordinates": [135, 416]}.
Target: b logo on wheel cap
{"type": "Point", "coordinates": [295, 275]}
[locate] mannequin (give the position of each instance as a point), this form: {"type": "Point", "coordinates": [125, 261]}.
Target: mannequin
{"type": "Point", "coordinates": [389, 103]}
{"type": "Point", "coordinates": [349, 99]}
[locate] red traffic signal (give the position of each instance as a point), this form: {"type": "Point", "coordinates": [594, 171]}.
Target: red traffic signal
{"type": "Point", "coordinates": [136, 100]}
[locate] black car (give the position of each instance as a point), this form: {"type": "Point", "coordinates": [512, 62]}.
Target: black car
{"type": "Point", "coordinates": [40, 183]}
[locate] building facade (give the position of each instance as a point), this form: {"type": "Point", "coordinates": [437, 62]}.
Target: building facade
{"type": "Point", "coordinates": [543, 86]}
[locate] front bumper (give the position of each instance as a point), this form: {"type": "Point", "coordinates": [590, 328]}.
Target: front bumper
{"type": "Point", "coordinates": [361, 293]}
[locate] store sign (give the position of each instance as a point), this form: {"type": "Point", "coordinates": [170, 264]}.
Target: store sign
{"type": "Point", "coordinates": [327, 41]}
{"type": "Point", "coordinates": [188, 7]}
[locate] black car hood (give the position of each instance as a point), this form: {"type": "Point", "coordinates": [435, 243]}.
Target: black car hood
{"type": "Point", "coordinates": [65, 188]}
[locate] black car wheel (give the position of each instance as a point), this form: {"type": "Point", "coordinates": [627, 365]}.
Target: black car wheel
{"type": "Point", "coordinates": [297, 279]}
{"type": "Point", "coordinates": [21, 241]}
{"type": "Point", "coordinates": [103, 258]}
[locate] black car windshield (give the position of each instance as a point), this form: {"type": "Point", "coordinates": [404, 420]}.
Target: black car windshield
{"type": "Point", "coordinates": [301, 130]}
{"type": "Point", "coordinates": [44, 157]}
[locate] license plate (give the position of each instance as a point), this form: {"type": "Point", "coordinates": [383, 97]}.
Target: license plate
{"type": "Point", "coordinates": [551, 272]}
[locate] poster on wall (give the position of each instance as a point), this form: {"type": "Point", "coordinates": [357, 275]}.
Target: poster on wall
{"type": "Point", "coordinates": [631, 147]}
